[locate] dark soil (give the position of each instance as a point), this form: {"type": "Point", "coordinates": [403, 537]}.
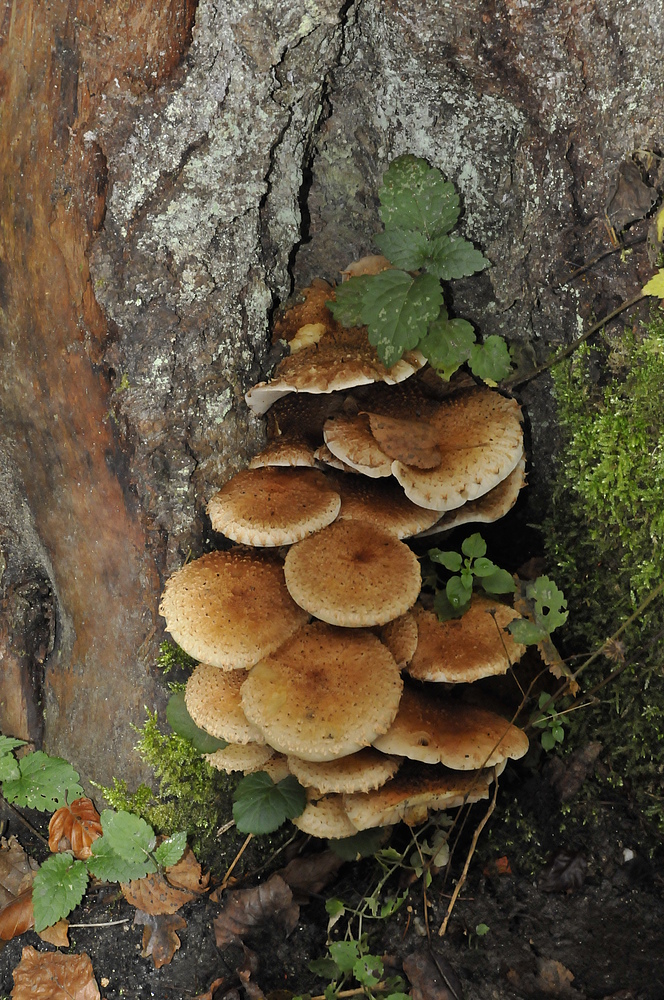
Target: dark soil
{"type": "Point", "coordinates": [578, 914]}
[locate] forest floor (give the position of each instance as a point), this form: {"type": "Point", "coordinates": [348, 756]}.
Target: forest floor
{"type": "Point", "coordinates": [567, 899]}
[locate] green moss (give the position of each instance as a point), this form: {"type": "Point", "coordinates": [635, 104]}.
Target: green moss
{"type": "Point", "coordinates": [604, 542]}
{"type": "Point", "coordinates": [192, 795]}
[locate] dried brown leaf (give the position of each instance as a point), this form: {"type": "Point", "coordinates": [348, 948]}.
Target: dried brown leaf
{"type": "Point", "coordinates": [160, 942]}
{"type": "Point", "coordinates": [74, 828]}
{"type": "Point", "coordinates": [245, 909]}
{"type": "Point", "coordinates": [550, 980]}
{"type": "Point", "coordinates": [431, 976]}
{"type": "Point", "coordinates": [310, 874]}
{"type": "Point", "coordinates": [16, 870]}
{"type": "Point", "coordinates": [52, 976]}
{"type": "Point", "coordinates": [154, 895]}
{"type": "Point", "coordinates": [565, 871]}
{"type": "Point", "coordinates": [188, 874]}
{"type": "Point", "coordinates": [17, 917]}
{"type": "Point", "coordinates": [57, 934]}
{"type": "Point", "coordinates": [210, 994]}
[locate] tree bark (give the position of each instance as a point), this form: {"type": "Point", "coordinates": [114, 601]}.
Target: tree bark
{"type": "Point", "coordinates": [171, 173]}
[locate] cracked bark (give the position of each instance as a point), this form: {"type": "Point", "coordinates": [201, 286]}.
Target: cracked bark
{"type": "Point", "coordinates": [169, 185]}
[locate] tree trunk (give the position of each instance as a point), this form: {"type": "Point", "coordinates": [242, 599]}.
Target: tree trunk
{"type": "Point", "coordinates": [170, 173]}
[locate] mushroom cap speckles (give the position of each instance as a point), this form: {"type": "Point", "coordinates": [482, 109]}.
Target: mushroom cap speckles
{"type": "Point", "coordinates": [467, 648]}
{"type": "Point", "coordinates": [248, 757]}
{"type": "Point", "coordinates": [382, 502]}
{"type": "Point", "coordinates": [438, 730]}
{"type": "Point", "coordinates": [401, 637]}
{"type": "Point", "coordinates": [325, 817]}
{"type": "Point", "coordinates": [273, 506]}
{"type": "Point", "coordinates": [229, 609]}
{"type": "Point", "coordinates": [353, 574]}
{"type": "Point", "coordinates": [325, 693]}
{"type": "Point", "coordinates": [481, 442]}
{"type": "Point", "coordinates": [212, 697]}
{"type": "Point", "coordinates": [358, 772]}
{"type": "Point", "coordinates": [349, 438]}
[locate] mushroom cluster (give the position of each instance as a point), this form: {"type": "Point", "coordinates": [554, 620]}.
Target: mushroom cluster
{"type": "Point", "coordinates": [316, 657]}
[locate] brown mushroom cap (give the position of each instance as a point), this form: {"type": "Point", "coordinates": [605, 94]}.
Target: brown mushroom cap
{"type": "Point", "coordinates": [438, 730]}
{"type": "Point", "coordinates": [358, 772]}
{"type": "Point", "coordinates": [412, 792]}
{"type": "Point", "coordinates": [248, 757]}
{"type": "Point", "coordinates": [401, 637]}
{"type": "Point", "coordinates": [325, 817]}
{"type": "Point", "coordinates": [382, 502]}
{"type": "Point", "coordinates": [349, 438]}
{"type": "Point", "coordinates": [285, 452]}
{"type": "Point", "coordinates": [467, 648]}
{"type": "Point", "coordinates": [407, 439]}
{"type": "Point", "coordinates": [481, 441]}
{"type": "Point", "coordinates": [229, 609]}
{"type": "Point", "coordinates": [353, 574]}
{"type": "Point", "coordinates": [273, 506]}
{"type": "Point", "coordinates": [212, 697]}
{"type": "Point", "coordinates": [325, 693]}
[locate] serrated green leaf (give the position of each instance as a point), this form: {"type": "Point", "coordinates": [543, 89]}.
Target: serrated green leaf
{"type": "Point", "coordinates": [326, 968]}
{"type": "Point", "coordinates": [458, 592]}
{"type": "Point", "coordinates": [450, 560]}
{"type": "Point", "coordinates": [474, 546]}
{"type": "Point", "coordinates": [333, 907]}
{"type": "Point", "coordinates": [57, 888]}
{"type": "Point", "coordinates": [346, 307]}
{"type": "Point", "coordinates": [526, 632]}
{"type": "Point", "coordinates": [368, 969]}
{"type": "Point", "coordinates": [405, 248]}
{"type": "Point", "coordinates": [444, 610]}
{"type": "Point", "coordinates": [549, 602]}
{"type": "Point", "coordinates": [8, 744]}
{"type": "Point", "coordinates": [656, 284]}
{"type": "Point", "coordinates": [416, 196]}
{"type": "Point", "coordinates": [345, 954]}
{"type": "Point", "coordinates": [9, 769]}
{"type": "Point", "coordinates": [483, 567]}
{"type": "Point", "coordinates": [491, 360]}
{"type": "Point", "coordinates": [447, 344]}
{"type": "Point", "coordinates": [260, 806]}
{"type": "Point", "coordinates": [361, 845]}
{"type": "Point", "coordinates": [454, 258]}
{"type": "Point", "coordinates": [397, 310]}
{"type": "Point", "coordinates": [44, 783]}
{"type": "Point", "coordinates": [127, 834]}
{"type": "Point", "coordinates": [500, 582]}
{"type": "Point", "coordinates": [182, 723]}
{"type": "Point", "coordinates": [171, 850]}
{"type": "Point", "coordinates": [110, 866]}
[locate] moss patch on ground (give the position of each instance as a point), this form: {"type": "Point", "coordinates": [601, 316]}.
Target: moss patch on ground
{"type": "Point", "coordinates": [605, 547]}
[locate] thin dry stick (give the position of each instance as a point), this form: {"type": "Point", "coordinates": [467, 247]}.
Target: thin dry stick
{"type": "Point", "coordinates": [26, 823]}
{"type": "Point", "coordinates": [464, 874]}
{"type": "Point", "coordinates": [106, 923]}
{"type": "Point", "coordinates": [354, 993]}
{"type": "Point", "coordinates": [224, 881]}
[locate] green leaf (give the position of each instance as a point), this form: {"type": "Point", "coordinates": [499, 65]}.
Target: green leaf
{"type": "Point", "coordinates": [349, 300]}
{"type": "Point", "coordinates": [450, 560]}
{"type": "Point", "coordinates": [526, 632]}
{"type": "Point", "coordinates": [182, 723]}
{"type": "Point", "coordinates": [484, 567]}
{"type": "Point", "coordinates": [548, 740]}
{"type": "Point", "coordinates": [445, 610]}
{"type": "Point", "coordinates": [500, 582]}
{"type": "Point", "coordinates": [549, 603]}
{"type": "Point", "coordinates": [405, 248]}
{"type": "Point", "coordinates": [110, 866]}
{"type": "Point", "coordinates": [482, 929]}
{"type": "Point", "coordinates": [458, 592]}
{"type": "Point", "coordinates": [8, 744]}
{"type": "Point", "coordinates": [415, 196]}
{"type": "Point", "coordinates": [391, 906]}
{"type": "Point", "coordinates": [454, 258]}
{"type": "Point", "coordinates": [345, 954]}
{"type": "Point", "coordinates": [558, 733]}
{"type": "Point", "coordinates": [447, 344]}
{"type": "Point", "coordinates": [368, 969]}
{"type": "Point", "coordinates": [171, 850]}
{"type": "Point", "coordinates": [397, 310]}
{"type": "Point", "coordinates": [473, 546]}
{"type": "Point", "coordinates": [127, 834]}
{"type": "Point", "coordinates": [656, 284]}
{"type": "Point", "coordinates": [260, 806]}
{"type": "Point", "coordinates": [491, 360]}
{"type": "Point", "coordinates": [333, 907]}
{"type": "Point", "coordinates": [44, 783]}
{"type": "Point", "coordinates": [326, 968]}
{"type": "Point", "coordinates": [361, 845]}
{"type": "Point", "coordinates": [57, 888]}
{"type": "Point", "coordinates": [9, 769]}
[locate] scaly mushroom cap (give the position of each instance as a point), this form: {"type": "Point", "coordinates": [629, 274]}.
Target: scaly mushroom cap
{"type": "Point", "coordinates": [412, 792]}
{"type": "Point", "coordinates": [272, 506]}
{"type": "Point", "coordinates": [212, 697]}
{"type": "Point", "coordinates": [401, 637]}
{"type": "Point", "coordinates": [325, 693]}
{"type": "Point", "coordinates": [349, 438]}
{"type": "Point", "coordinates": [325, 817]}
{"type": "Point", "coordinates": [285, 453]}
{"type": "Point", "coordinates": [438, 730]}
{"type": "Point", "coordinates": [248, 757]}
{"type": "Point", "coordinates": [406, 439]}
{"type": "Point", "coordinates": [465, 649]}
{"type": "Point", "coordinates": [353, 574]}
{"type": "Point", "coordinates": [382, 502]}
{"type": "Point", "coordinates": [229, 609]}
{"type": "Point", "coordinates": [358, 772]}
{"type": "Point", "coordinates": [481, 441]}
{"type": "Point", "coordinates": [491, 507]}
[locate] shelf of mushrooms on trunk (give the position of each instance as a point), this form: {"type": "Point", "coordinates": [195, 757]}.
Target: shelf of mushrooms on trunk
{"type": "Point", "coordinates": [317, 656]}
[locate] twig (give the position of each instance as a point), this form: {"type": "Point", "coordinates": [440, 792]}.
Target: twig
{"type": "Point", "coordinates": [606, 253]}
{"type": "Point", "coordinates": [26, 822]}
{"type": "Point", "coordinates": [354, 993]}
{"type": "Point", "coordinates": [225, 828]}
{"type": "Point", "coordinates": [521, 379]}
{"type": "Point", "coordinates": [464, 873]}
{"type": "Point", "coordinates": [106, 923]}
{"type": "Point", "coordinates": [224, 881]}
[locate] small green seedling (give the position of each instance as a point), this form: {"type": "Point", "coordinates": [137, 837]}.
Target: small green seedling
{"type": "Point", "coordinates": [403, 307]}
{"type": "Point", "coordinates": [548, 610]}
{"type": "Point", "coordinates": [549, 721]}
{"type": "Point", "coordinates": [475, 568]}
